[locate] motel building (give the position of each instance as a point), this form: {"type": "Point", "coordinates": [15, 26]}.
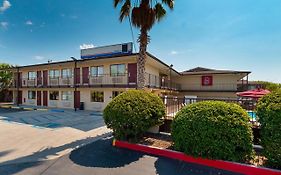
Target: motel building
{"type": "Point", "coordinates": [102, 73]}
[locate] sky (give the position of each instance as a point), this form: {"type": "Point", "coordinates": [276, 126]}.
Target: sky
{"type": "Point", "coordinates": [219, 34]}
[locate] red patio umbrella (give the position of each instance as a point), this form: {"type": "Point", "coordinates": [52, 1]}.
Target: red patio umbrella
{"type": "Point", "coordinates": [255, 93]}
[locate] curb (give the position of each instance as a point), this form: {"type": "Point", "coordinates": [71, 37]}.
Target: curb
{"type": "Point", "coordinates": [224, 165]}
{"type": "Point", "coordinates": [23, 108]}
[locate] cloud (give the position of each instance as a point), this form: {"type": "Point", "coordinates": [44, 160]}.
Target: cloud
{"type": "Point", "coordinates": [39, 57]}
{"type": "Point", "coordinates": [4, 24]}
{"type": "Point", "coordinates": [6, 4]}
{"type": "Point", "coordinates": [86, 46]}
{"type": "Point", "coordinates": [29, 23]}
{"type": "Point", "coordinates": [173, 52]}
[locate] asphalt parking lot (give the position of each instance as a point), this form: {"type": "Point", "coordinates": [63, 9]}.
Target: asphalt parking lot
{"type": "Point", "coordinates": [101, 158]}
{"type": "Point", "coordinates": [28, 136]}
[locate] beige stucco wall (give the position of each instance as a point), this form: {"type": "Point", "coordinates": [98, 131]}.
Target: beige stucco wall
{"type": "Point", "coordinates": [209, 94]}
{"type": "Point", "coordinates": [85, 96]}
{"type": "Point", "coordinates": [220, 82]}
{"type": "Point", "coordinates": [89, 63]}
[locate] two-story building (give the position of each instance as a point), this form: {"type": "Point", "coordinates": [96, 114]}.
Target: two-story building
{"type": "Point", "coordinates": [103, 73]}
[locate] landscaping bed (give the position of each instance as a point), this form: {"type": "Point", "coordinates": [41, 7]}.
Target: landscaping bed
{"type": "Point", "coordinates": [164, 141]}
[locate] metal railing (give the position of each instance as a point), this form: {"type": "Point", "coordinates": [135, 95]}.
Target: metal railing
{"type": "Point", "coordinates": [174, 104]}
{"type": "Point", "coordinates": [154, 81]}
{"type": "Point", "coordinates": [101, 80]}
{"type": "Point", "coordinates": [214, 87]}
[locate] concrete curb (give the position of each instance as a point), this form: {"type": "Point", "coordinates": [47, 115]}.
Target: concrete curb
{"type": "Point", "coordinates": [23, 108]}
{"type": "Point", "coordinates": [224, 165]}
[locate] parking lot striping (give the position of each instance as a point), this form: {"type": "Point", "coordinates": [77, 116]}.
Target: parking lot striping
{"type": "Point", "coordinates": [41, 109]}
{"type": "Point", "coordinates": [5, 106]}
{"type": "Point", "coordinates": [21, 119]}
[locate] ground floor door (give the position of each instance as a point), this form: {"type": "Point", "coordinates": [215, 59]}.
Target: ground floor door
{"type": "Point", "coordinates": [132, 73]}
{"type": "Point", "coordinates": [45, 98]}
{"type": "Point", "coordinates": [39, 99]}
{"type": "Point", "coordinates": [77, 99]}
{"type": "Point", "coordinates": [19, 97]}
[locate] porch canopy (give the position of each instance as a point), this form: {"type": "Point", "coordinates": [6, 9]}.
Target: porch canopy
{"type": "Point", "coordinates": [255, 93]}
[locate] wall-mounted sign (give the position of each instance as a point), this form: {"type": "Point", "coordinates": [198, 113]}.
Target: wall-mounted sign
{"type": "Point", "coordinates": [207, 80]}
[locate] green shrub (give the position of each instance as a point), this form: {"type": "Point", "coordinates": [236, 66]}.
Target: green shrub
{"type": "Point", "coordinates": [269, 115]}
{"type": "Point", "coordinates": [132, 113]}
{"type": "Point", "coordinates": [214, 130]}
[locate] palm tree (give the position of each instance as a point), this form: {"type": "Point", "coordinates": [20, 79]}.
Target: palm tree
{"type": "Point", "coordinates": [144, 14]}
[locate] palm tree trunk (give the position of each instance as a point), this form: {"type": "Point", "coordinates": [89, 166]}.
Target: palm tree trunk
{"type": "Point", "coordinates": [143, 40]}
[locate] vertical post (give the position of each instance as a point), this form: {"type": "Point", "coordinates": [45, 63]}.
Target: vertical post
{"type": "Point", "coordinates": [170, 83]}
{"type": "Point", "coordinates": [18, 84]}
{"type": "Point", "coordinates": [75, 82]}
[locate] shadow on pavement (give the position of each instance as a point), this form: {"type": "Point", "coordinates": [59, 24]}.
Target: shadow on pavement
{"type": "Point", "coordinates": [102, 154]}
{"type": "Point", "coordinates": [165, 166]}
{"type": "Point", "coordinates": [16, 165]}
{"type": "Point", "coordinates": [4, 153]}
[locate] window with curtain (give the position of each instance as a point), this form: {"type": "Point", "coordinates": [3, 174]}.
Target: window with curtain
{"type": "Point", "coordinates": [97, 71]}
{"type": "Point", "coordinates": [117, 70]}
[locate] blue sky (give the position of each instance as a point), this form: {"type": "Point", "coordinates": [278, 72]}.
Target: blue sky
{"type": "Point", "coordinates": [222, 34]}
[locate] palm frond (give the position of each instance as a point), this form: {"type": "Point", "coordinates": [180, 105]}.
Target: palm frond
{"type": "Point", "coordinates": [116, 2]}
{"type": "Point", "coordinates": [169, 3]}
{"type": "Point", "coordinates": [160, 12]}
{"type": "Point", "coordinates": [125, 10]}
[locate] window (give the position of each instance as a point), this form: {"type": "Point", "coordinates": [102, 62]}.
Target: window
{"type": "Point", "coordinates": [97, 71]}
{"type": "Point", "coordinates": [66, 73]}
{"type": "Point", "coordinates": [31, 75]}
{"type": "Point", "coordinates": [117, 70]}
{"type": "Point", "coordinates": [31, 95]}
{"type": "Point", "coordinates": [97, 96]}
{"type": "Point", "coordinates": [54, 73]}
{"type": "Point", "coordinates": [66, 95]}
{"type": "Point", "coordinates": [116, 93]}
{"type": "Point", "coordinates": [54, 95]}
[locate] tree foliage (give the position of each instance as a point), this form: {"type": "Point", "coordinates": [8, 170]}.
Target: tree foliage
{"type": "Point", "coordinates": [269, 115]}
{"type": "Point", "coordinates": [132, 113]}
{"type": "Point", "coordinates": [6, 76]}
{"type": "Point", "coordinates": [269, 85]}
{"type": "Point", "coordinates": [215, 130]}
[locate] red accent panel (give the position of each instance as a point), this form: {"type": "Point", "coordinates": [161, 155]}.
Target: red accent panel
{"type": "Point", "coordinates": [20, 97]}
{"type": "Point", "coordinates": [45, 78]}
{"type": "Point", "coordinates": [45, 98]}
{"type": "Point", "coordinates": [39, 99]}
{"type": "Point", "coordinates": [207, 80]}
{"type": "Point", "coordinates": [229, 166]}
{"type": "Point", "coordinates": [77, 75]}
{"type": "Point", "coordinates": [132, 70]}
{"type": "Point", "coordinates": [77, 99]}
{"type": "Point", "coordinates": [39, 78]}
{"type": "Point", "coordinates": [85, 75]}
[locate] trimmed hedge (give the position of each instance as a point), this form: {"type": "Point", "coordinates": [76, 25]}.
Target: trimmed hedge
{"type": "Point", "coordinates": [132, 113]}
{"type": "Point", "coordinates": [269, 115]}
{"type": "Point", "coordinates": [214, 130]}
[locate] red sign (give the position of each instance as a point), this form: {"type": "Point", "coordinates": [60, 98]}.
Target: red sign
{"type": "Point", "coordinates": [207, 80]}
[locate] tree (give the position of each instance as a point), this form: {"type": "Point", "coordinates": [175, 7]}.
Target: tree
{"type": "Point", "coordinates": [5, 76]}
{"type": "Point", "coordinates": [144, 14]}
{"type": "Point", "coordinates": [269, 85]}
